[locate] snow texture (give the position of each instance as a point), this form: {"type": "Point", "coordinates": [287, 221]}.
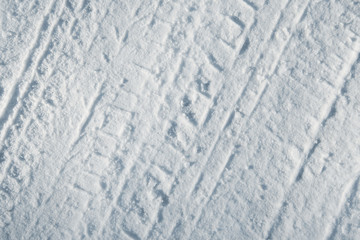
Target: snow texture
{"type": "Point", "coordinates": [180, 119]}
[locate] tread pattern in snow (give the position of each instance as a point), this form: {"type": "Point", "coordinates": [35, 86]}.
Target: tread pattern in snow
{"type": "Point", "coordinates": [179, 119]}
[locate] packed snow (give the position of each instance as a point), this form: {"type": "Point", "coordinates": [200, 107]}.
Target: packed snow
{"type": "Point", "coordinates": [180, 119]}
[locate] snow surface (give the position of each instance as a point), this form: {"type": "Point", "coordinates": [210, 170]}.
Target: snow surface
{"type": "Point", "coordinates": [180, 119]}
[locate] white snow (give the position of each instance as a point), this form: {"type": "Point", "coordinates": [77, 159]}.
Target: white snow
{"type": "Point", "coordinates": [180, 119]}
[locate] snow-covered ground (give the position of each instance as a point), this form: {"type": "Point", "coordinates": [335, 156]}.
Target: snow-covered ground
{"type": "Point", "coordinates": [180, 119]}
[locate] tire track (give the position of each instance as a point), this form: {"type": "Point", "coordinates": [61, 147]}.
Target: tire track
{"type": "Point", "coordinates": [41, 75]}
{"type": "Point", "coordinates": [186, 153]}
{"type": "Point", "coordinates": [30, 52]}
{"type": "Point", "coordinates": [120, 189]}
{"type": "Point", "coordinates": [207, 122]}
{"type": "Point", "coordinates": [17, 88]}
{"type": "Point", "coordinates": [71, 146]}
{"type": "Point", "coordinates": [68, 165]}
{"type": "Point", "coordinates": [28, 88]}
{"type": "Point", "coordinates": [29, 103]}
{"type": "Point", "coordinates": [311, 148]}
{"type": "Point", "coordinates": [244, 90]}
{"type": "Point", "coordinates": [283, 47]}
{"type": "Point", "coordinates": [23, 89]}
{"type": "Point", "coordinates": [217, 163]}
{"type": "Point", "coordinates": [126, 175]}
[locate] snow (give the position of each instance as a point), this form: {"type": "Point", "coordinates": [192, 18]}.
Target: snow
{"type": "Point", "coordinates": [179, 119]}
